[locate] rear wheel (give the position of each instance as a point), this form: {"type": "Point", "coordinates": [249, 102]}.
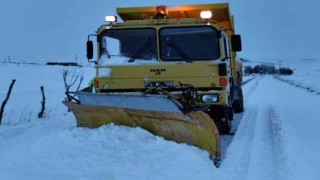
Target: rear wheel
{"type": "Point", "coordinates": [238, 104]}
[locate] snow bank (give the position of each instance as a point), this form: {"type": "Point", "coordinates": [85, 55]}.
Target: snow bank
{"type": "Point", "coordinates": [46, 150]}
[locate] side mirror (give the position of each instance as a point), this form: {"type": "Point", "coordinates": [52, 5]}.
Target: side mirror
{"type": "Point", "coordinates": [89, 49]}
{"type": "Point", "coordinates": [236, 43]}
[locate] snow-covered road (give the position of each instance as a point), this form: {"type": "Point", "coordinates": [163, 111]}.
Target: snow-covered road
{"type": "Point", "coordinates": [276, 137]}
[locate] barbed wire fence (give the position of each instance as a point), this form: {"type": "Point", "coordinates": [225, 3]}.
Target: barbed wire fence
{"type": "Point", "coordinates": [43, 60]}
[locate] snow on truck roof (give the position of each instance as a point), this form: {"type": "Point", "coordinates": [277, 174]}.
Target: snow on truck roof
{"type": "Point", "coordinates": [220, 13]}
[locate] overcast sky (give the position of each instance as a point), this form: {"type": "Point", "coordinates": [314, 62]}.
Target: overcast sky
{"type": "Point", "coordinates": [58, 29]}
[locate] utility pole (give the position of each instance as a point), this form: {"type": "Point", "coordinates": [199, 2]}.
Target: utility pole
{"type": "Point", "coordinates": [280, 64]}
{"type": "Point", "coordinates": [76, 56]}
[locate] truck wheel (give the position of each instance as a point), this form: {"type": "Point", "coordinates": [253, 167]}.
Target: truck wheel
{"type": "Point", "coordinates": [238, 104]}
{"type": "Point", "coordinates": [222, 118]}
{"type": "Point", "coordinates": [223, 125]}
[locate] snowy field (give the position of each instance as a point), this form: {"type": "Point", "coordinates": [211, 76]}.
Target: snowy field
{"type": "Point", "coordinates": [306, 74]}
{"type": "Point", "coordinates": [277, 135]}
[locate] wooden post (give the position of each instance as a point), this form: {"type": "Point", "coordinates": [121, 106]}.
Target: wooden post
{"type": "Point", "coordinates": [43, 103]}
{"type": "Point", "coordinates": [6, 100]}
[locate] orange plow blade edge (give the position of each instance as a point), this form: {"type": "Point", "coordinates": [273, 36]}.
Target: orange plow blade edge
{"type": "Point", "coordinates": [194, 128]}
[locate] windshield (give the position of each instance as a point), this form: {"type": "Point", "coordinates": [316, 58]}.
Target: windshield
{"type": "Point", "coordinates": [129, 44]}
{"type": "Point", "coordinates": [189, 43]}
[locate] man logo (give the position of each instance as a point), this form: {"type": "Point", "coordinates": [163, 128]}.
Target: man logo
{"type": "Point", "coordinates": [157, 71]}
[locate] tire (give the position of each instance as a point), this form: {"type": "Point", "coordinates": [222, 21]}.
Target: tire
{"type": "Point", "coordinates": [223, 125]}
{"type": "Point", "coordinates": [222, 118]}
{"type": "Point", "coordinates": [238, 104]}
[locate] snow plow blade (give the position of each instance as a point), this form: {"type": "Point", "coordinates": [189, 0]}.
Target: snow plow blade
{"type": "Point", "coordinates": [193, 128]}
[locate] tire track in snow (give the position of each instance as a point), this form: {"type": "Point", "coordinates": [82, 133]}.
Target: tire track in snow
{"type": "Point", "coordinates": [227, 139]}
{"type": "Point", "coordinates": [240, 149]}
{"type": "Point", "coordinates": [261, 164]}
{"type": "Point", "coordinates": [247, 81]}
{"type": "Point", "coordinates": [254, 151]}
{"type": "Point", "coordinates": [237, 156]}
{"type": "Point", "coordinates": [280, 155]}
{"type": "Point", "coordinates": [250, 88]}
{"type": "Point", "coordinates": [269, 159]}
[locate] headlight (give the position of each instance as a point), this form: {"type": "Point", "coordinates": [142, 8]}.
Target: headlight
{"type": "Point", "coordinates": [209, 98]}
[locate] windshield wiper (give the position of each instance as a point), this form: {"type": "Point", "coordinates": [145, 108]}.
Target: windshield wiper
{"type": "Point", "coordinates": [142, 50]}
{"type": "Point", "coordinates": [178, 50]}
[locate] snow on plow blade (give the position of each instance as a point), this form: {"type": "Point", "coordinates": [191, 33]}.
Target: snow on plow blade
{"type": "Point", "coordinates": [154, 113]}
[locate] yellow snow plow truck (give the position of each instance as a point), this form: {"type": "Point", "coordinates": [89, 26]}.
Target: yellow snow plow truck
{"type": "Point", "coordinates": [171, 70]}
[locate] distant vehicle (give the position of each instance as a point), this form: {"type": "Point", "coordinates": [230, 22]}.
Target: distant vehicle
{"type": "Point", "coordinates": [170, 70]}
